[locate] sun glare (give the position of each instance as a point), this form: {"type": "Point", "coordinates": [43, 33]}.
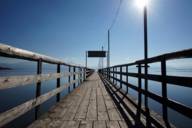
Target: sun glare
{"type": "Point", "coordinates": [141, 3]}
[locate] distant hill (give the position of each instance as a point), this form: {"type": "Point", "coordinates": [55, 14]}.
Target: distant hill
{"type": "Point", "coordinates": [5, 68]}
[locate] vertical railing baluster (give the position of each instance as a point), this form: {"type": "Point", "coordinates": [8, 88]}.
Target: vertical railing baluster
{"type": "Point", "coordinates": [74, 76]}
{"type": "Point", "coordinates": [69, 78]}
{"type": "Point", "coordinates": [58, 81]}
{"type": "Point", "coordinates": [38, 87]}
{"type": "Point", "coordinates": [164, 89]}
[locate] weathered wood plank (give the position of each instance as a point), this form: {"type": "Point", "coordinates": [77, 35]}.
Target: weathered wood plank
{"type": "Point", "coordinates": [15, 81]}
{"type": "Point", "coordinates": [101, 110]}
{"type": "Point", "coordinates": [86, 124]}
{"type": "Point", "coordinates": [113, 114]}
{"type": "Point", "coordinates": [9, 51]}
{"type": "Point", "coordinates": [70, 124]}
{"type": "Point", "coordinates": [99, 124]}
{"type": "Point", "coordinates": [77, 98]}
{"type": "Point", "coordinates": [113, 124]}
{"type": "Point", "coordinates": [82, 111]}
{"type": "Point", "coordinates": [92, 108]}
{"type": "Point", "coordinates": [123, 124]}
{"type": "Point", "coordinates": [111, 108]}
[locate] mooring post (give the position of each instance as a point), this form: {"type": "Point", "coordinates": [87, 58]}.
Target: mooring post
{"type": "Point", "coordinates": [58, 81]}
{"type": "Point", "coordinates": [38, 87]}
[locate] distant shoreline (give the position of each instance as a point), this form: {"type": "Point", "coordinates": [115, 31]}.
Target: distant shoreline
{"type": "Point", "coordinates": [5, 68]}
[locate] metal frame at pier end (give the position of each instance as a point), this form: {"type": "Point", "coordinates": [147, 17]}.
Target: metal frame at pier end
{"type": "Point", "coordinates": [94, 54]}
{"type": "Point", "coordinates": [23, 80]}
{"type": "Point", "coordinates": [121, 96]}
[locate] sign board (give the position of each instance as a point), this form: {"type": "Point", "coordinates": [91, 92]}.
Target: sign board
{"type": "Point", "coordinates": [96, 53]}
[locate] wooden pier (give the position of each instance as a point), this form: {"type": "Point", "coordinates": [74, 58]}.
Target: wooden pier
{"type": "Point", "coordinates": [95, 100]}
{"type": "Point", "coordinates": [88, 106]}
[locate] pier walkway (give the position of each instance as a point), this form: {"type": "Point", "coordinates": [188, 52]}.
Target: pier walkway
{"type": "Point", "coordinates": [88, 106]}
{"type": "Point", "coordinates": [103, 100]}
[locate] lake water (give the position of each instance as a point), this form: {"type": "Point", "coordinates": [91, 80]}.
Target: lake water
{"type": "Point", "coordinates": [15, 96]}
{"type": "Point", "coordinates": [10, 98]}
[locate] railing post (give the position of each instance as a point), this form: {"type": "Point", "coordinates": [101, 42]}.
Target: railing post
{"type": "Point", "coordinates": [79, 75]}
{"type": "Point", "coordinates": [127, 79]}
{"type": "Point", "coordinates": [109, 73]}
{"type": "Point", "coordinates": [69, 78]}
{"type": "Point", "coordinates": [74, 76]}
{"type": "Point", "coordinates": [84, 74]}
{"type": "Point", "coordinates": [116, 75]}
{"type": "Point", "coordinates": [78, 80]}
{"type": "Point", "coordinates": [38, 87]}
{"type": "Point", "coordinates": [113, 75]}
{"type": "Point", "coordinates": [148, 122]}
{"type": "Point", "coordinates": [81, 71]}
{"type": "Point", "coordinates": [164, 88]}
{"type": "Point", "coordinates": [58, 81]}
{"type": "Point", "coordinates": [105, 71]}
{"type": "Point", "coordinates": [139, 95]}
{"type": "Point", "coordinates": [120, 76]}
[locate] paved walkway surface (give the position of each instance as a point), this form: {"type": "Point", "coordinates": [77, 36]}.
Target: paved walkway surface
{"type": "Point", "coordinates": [88, 106]}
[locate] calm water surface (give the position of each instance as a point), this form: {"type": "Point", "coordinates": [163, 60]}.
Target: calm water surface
{"type": "Point", "coordinates": [15, 96]}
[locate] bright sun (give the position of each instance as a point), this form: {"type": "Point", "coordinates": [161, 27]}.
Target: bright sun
{"type": "Point", "coordinates": [141, 3]}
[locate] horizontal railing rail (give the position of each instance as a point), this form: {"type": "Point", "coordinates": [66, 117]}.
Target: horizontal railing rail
{"type": "Point", "coordinates": [15, 81]}
{"type": "Point", "coordinates": [13, 52]}
{"type": "Point", "coordinates": [110, 75]}
{"type": "Point", "coordinates": [75, 74]}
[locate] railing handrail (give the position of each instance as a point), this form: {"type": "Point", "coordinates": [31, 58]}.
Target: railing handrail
{"type": "Point", "coordinates": [13, 52]}
{"type": "Point", "coordinates": [187, 53]}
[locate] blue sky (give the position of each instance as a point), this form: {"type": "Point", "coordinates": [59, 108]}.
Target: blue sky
{"type": "Point", "coordinates": [67, 28]}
